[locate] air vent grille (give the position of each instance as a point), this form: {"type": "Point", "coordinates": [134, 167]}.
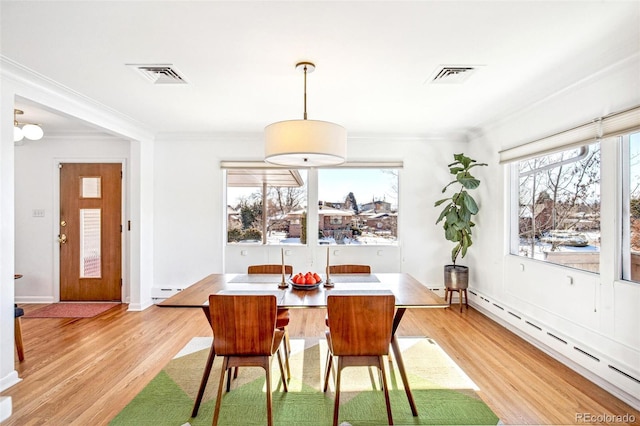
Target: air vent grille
{"type": "Point", "coordinates": [452, 74]}
{"type": "Point", "coordinates": [159, 73]}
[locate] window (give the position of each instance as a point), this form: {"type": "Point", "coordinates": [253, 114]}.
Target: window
{"type": "Point", "coordinates": [355, 205]}
{"type": "Point", "coordinates": [358, 206]}
{"type": "Point", "coordinates": [558, 208]}
{"type": "Point", "coordinates": [631, 207]}
{"type": "Point", "coordinates": [282, 191]}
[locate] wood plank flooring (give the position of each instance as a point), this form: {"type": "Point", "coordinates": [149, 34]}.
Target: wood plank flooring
{"type": "Point", "coordinates": [84, 371]}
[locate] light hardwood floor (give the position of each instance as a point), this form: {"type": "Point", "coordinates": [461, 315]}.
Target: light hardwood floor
{"type": "Point", "coordinates": [84, 371]}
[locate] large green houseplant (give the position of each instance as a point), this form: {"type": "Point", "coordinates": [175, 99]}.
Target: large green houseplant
{"type": "Point", "coordinates": [456, 217]}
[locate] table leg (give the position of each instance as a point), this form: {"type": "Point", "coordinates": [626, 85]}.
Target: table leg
{"type": "Point", "coordinates": [398, 354]}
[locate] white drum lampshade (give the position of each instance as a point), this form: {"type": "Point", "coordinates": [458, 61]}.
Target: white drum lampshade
{"type": "Point", "coordinates": [305, 143]}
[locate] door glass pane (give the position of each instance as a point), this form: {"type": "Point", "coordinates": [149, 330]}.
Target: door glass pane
{"type": "Point", "coordinates": [90, 187]}
{"type": "Point", "coordinates": [90, 257]}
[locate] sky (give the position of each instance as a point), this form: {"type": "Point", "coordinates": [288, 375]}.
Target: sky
{"type": "Point", "coordinates": [335, 184]}
{"type": "Point", "coordinates": [366, 184]}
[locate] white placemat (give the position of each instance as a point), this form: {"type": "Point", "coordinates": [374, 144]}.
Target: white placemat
{"type": "Point", "coordinates": [354, 278]}
{"type": "Point", "coordinates": [256, 278]}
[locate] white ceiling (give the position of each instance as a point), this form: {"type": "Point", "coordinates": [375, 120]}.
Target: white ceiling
{"type": "Point", "coordinates": [374, 59]}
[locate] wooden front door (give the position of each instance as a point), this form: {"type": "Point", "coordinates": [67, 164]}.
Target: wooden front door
{"type": "Point", "coordinates": [90, 232]}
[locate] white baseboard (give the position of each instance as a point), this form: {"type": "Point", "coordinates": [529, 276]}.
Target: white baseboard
{"type": "Point", "coordinates": [9, 380]}
{"type": "Point", "coordinates": [5, 407]}
{"type": "Point", "coordinates": [35, 299]}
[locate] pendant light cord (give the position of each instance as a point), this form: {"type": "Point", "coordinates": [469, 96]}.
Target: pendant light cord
{"type": "Point", "coordinates": [305, 92]}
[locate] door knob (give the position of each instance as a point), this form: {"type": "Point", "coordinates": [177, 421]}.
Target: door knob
{"type": "Point", "coordinates": [62, 238]}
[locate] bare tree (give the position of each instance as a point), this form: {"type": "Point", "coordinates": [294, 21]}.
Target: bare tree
{"type": "Point", "coordinates": [560, 191]}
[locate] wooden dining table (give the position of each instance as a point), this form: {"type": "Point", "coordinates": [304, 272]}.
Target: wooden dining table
{"type": "Point", "coordinates": [408, 291]}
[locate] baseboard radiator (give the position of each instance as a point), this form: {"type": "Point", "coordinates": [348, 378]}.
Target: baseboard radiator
{"type": "Point", "coordinates": [619, 380]}
{"type": "Point", "coordinates": [158, 294]}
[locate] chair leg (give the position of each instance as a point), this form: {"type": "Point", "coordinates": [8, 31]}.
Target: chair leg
{"type": "Point", "coordinates": [268, 383]}
{"type": "Point", "coordinates": [287, 351]}
{"type": "Point", "coordinates": [223, 371]}
{"type": "Point", "coordinates": [386, 390]}
{"type": "Point", "coordinates": [203, 382]}
{"type": "Point", "coordinates": [229, 377]}
{"type": "Point", "coordinates": [336, 404]}
{"type": "Point", "coordinates": [327, 371]}
{"type": "Point", "coordinates": [284, 380]}
{"type": "Point", "coordinates": [17, 330]}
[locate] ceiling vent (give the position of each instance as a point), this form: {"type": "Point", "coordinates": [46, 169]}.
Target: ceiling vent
{"type": "Point", "coordinates": [159, 73]}
{"type": "Point", "coordinates": [452, 74]}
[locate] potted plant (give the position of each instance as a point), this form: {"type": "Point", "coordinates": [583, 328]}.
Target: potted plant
{"type": "Point", "coordinates": [456, 214]}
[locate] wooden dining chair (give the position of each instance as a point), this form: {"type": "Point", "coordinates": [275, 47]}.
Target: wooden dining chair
{"type": "Point", "coordinates": [282, 320]}
{"type": "Point", "coordinates": [355, 340]}
{"type": "Point", "coordinates": [17, 327]}
{"type": "Point", "coordinates": [244, 335]}
{"type": "Point", "coordinates": [270, 269]}
{"type": "Point", "coordinates": [349, 269]}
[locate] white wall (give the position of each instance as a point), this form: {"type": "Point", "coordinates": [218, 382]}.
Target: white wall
{"type": "Point", "coordinates": [190, 210]}
{"type": "Point", "coordinates": [596, 313]}
{"type": "Point", "coordinates": [36, 188]}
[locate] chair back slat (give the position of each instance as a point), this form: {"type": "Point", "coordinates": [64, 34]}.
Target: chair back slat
{"type": "Point", "coordinates": [243, 324]}
{"type": "Point", "coordinates": [360, 324]}
{"type": "Point", "coordinates": [349, 269]}
{"type": "Point", "coordinates": [270, 269]}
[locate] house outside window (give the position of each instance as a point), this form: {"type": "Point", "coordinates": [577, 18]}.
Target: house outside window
{"type": "Point", "coordinates": [558, 208]}
{"type": "Point", "coordinates": [355, 205]}
{"type": "Point", "coordinates": [358, 206]}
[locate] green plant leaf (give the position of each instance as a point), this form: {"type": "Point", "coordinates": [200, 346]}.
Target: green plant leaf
{"type": "Point", "coordinates": [455, 170]}
{"type": "Point", "coordinates": [470, 204]}
{"type": "Point", "coordinates": [442, 214]}
{"type": "Point", "coordinates": [477, 164]}
{"type": "Point", "coordinates": [451, 234]}
{"type": "Point", "coordinates": [469, 182]}
{"type": "Point", "coordinates": [452, 216]}
{"type": "Point", "coordinates": [454, 253]}
{"type": "Point", "coordinates": [440, 202]}
{"type": "Point", "coordinates": [461, 158]}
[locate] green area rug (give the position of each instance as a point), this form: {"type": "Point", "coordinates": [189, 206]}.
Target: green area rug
{"type": "Point", "coordinates": [443, 393]}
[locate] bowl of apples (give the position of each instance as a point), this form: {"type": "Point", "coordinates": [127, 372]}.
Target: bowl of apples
{"type": "Point", "coordinates": [307, 281]}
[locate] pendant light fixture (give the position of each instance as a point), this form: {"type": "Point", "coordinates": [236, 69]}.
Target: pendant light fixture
{"type": "Point", "coordinates": [305, 143]}
{"type": "Point", "coordinates": [28, 130]}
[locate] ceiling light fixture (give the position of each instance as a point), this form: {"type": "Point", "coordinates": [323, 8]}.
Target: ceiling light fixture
{"type": "Point", "coordinates": [28, 130]}
{"type": "Point", "coordinates": [305, 143]}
